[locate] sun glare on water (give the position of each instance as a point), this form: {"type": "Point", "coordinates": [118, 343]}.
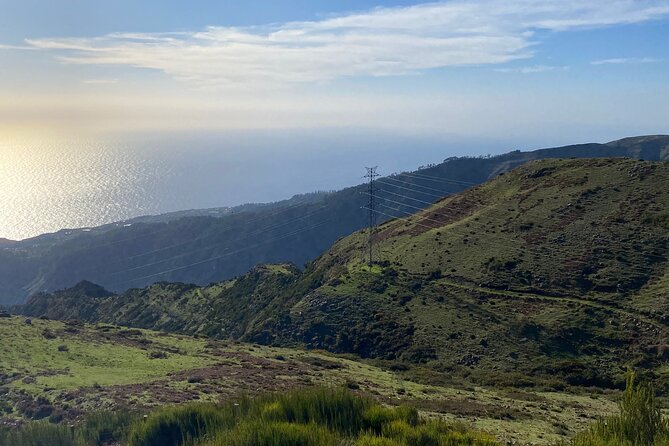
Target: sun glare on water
{"type": "Point", "coordinates": [49, 184]}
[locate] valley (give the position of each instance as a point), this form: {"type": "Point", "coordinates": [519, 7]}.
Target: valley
{"type": "Point", "coordinates": [195, 247]}
{"type": "Point", "coordinates": [517, 307]}
{"type": "Point", "coordinates": [334, 223]}
{"type": "Point", "coordinates": [540, 276]}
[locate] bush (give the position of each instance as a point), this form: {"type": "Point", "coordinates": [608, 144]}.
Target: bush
{"type": "Point", "coordinates": [377, 417]}
{"type": "Point", "coordinates": [639, 422]}
{"type": "Point", "coordinates": [261, 433]}
{"type": "Point", "coordinates": [435, 433]}
{"type": "Point", "coordinates": [39, 434]}
{"type": "Point", "coordinates": [97, 429]}
{"type": "Point", "coordinates": [310, 417]}
{"type": "Point", "coordinates": [105, 428]}
{"type": "Point", "coordinates": [178, 425]}
{"type": "Point", "coordinates": [371, 440]}
{"type": "Point", "coordinates": [338, 410]}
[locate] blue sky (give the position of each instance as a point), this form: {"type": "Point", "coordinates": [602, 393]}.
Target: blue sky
{"type": "Point", "coordinates": [31, 18]}
{"type": "Point", "coordinates": [525, 71]}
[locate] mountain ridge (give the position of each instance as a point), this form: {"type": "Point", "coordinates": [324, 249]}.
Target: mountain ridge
{"type": "Point", "coordinates": [202, 250]}
{"type": "Point", "coordinates": [552, 274]}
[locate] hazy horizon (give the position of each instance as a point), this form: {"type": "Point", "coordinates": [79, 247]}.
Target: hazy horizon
{"type": "Point", "coordinates": [100, 102]}
{"type": "Point", "coordinates": [475, 69]}
{"type": "Point", "coordinates": [114, 179]}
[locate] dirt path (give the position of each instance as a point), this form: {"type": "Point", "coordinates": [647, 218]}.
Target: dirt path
{"type": "Point", "coordinates": [470, 287]}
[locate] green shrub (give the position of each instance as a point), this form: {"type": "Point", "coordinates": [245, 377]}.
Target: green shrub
{"type": "Point", "coordinates": [338, 410]}
{"type": "Point", "coordinates": [177, 425]}
{"type": "Point", "coordinates": [639, 422]}
{"type": "Point", "coordinates": [262, 433]}
{"type": "Point", "coordinates": [105, 428]}
{"type": "Point", "coordinates": [40, 434]}
{"type": "Point", "coordinates": [377, 417]}
{"type": "Point", "coordinates": [435, 433]}
{"type": "Point", "coordinates": [372, 440]}
{"type": "Point", "coordinates": [97, 429]}
{"type": "Point", "coordinates": [310, 417]}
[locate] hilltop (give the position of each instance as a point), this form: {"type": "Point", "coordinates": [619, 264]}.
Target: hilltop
{"type": "Point", "coordinates": [213, 245]}
{"type": "Point", "coordinates": [551, 275]}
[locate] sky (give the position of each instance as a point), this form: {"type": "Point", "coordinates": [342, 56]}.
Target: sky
{"type": "Point", "coordinates": [529, 72]}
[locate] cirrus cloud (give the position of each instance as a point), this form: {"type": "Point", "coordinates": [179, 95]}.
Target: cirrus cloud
{"type": "Point", "coordinates": [625, 61]}
{"type": "Point", "coordinates": [379, 42]}
{"type": "Point", "coordinates": [531, 69]}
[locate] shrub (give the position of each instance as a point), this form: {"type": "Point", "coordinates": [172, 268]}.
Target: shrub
{"type": "Point", "coordinates": [338, 410]}
{"type": "Point", "coordinates": [371, 440]}
{"type": "Point", "coordinates": [639, 422]}
{"type": "Point", "coordinates": [39, 434]}
{"type": "Point", "coordinates": [310, 417]}
{"type": "Point", "coordinates": [435, 433]}
{"type": "Point", "coordinates": [175, 426]}
{"type": "Point", "coordinates": [97, 429]}
{"type": "Point", "coordinates": [261, 433]}
{"type": "Point", "coordinates": [377, 417]}
{"type": "Point", "coordinates": [106, 428]}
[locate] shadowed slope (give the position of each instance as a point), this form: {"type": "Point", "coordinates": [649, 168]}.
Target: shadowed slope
{"type": "Point", "coordinates": [190, 247]}
{"type": "Point", "coordinates": [550, 273]}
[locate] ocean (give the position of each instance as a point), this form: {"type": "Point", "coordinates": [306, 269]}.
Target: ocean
{"type": "Point", "coordinates": [77, 182]}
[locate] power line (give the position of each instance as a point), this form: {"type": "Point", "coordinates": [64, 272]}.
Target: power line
{"type": "Point", "coordinates": [414, 190]}
{"type": "Point", "coordinates": [508, 243]}
{"type": "Point", "coordinates": [168, 229]}
{"type": "Point", "coordinates": [407, 197]}
{"type": "Point", "coordinates": [440, 194]}
{"type": "Point", "coordinates": [281, 209]}
{"type": "Point", "coordinates": [246, 223]}
{"type": "Point", "coordinates": [414, 215]}
{"type": "Point", "coordinates": [253, 233]}
{"type": "Point", "coordinates": [272, 240]}
{"type": "Point", "coordinates": [396, 217]}
{"type": "Point", "coordinates": [371, 176]}
{"type": "Point", "coordinates": [372, 226]}
{"type": "Point", "coordinates": [223, 230]}
{"type": "Point", "coordinates": [398, 202]}
{"type": "Point", "coordinates": [440, 179]}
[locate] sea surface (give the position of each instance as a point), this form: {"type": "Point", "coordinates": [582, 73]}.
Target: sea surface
{"type": "Point", "coordinates": [50, 184]}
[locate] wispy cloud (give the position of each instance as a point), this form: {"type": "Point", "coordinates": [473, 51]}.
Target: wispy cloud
{"type": "Point", "coordinates": [531, 69]}
{"type": "Point", "coordinates": [17, 47]}
{"type": "Point", "coordinates": [101, 81]}
{"type": "Point", "coordinates": [625, 61]}
{"type": "Point", "coordinates": [380, 42]}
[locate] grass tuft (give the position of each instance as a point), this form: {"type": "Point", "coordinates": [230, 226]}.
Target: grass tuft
{"type": "Point", "coordinates": [639, 423]}
{"type": "Point", "coordinates": [309, 417]}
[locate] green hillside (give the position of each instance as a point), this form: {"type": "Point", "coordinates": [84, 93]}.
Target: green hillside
{"type": "Point", "coordinates": [64, 373]}
{"type": "Point", "coordinates": [196, 248]}
{"type": "Point", "coordinates": [552, 275]}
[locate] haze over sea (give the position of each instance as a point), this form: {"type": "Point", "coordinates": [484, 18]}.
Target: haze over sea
{"type": "Point", "coordinates": [54, 183]}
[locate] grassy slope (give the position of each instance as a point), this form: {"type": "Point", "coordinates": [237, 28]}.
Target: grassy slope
{"type": "Point", "coordinates": [109, 367]}
{"type": "Point", "coordinates": [603, 222]}
{"type": "Point", "coordinates": [554, 271]}
{"type": "Point", "coordinates": [548, 276]}
{"type": "Point", "coordinates": [121, 257]}
{"type": "Point", "coordinates": [551, 274]}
